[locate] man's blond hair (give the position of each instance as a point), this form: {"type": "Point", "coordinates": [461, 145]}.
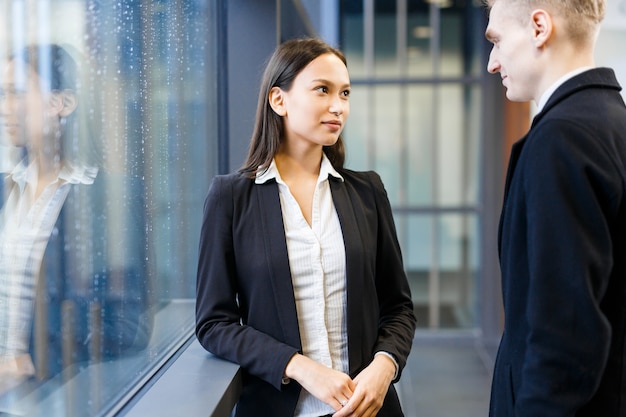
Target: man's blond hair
{"type": "Point", "coordinates": [583, 17]}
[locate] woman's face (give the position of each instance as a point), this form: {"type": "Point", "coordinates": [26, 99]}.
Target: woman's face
{"type": "Point", "coordinates": [316, 107]}
{"type": "Point", "coordinates": [25, 111]}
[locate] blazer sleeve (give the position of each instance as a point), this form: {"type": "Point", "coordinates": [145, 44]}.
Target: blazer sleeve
{"type": "Point", "coordinates": [396, 326]}
{"type": "Point", "coordinates": [220, 327]}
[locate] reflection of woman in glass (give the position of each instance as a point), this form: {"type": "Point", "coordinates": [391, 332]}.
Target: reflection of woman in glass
{"type": "Point", "coordinates": [73, 278]}
{"type": "Point", "coordinates": [300, 277]}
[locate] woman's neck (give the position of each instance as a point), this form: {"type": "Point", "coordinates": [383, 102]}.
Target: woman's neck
{"type": "Point", "coordinates": [47, 167]}
{"type": "Point", "coordinates": [297, 164]}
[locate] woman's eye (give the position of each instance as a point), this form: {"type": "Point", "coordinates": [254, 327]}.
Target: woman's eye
{"type": "Point", "coordinates": [345, 93]}
{"type": "Point", "coordinates": [322, 89]}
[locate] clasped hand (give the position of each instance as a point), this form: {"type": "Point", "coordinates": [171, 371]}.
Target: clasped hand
{"type": "Point", "coordinates": [361, 397]}
{"type": "Point", "coordinates": [14, 370]}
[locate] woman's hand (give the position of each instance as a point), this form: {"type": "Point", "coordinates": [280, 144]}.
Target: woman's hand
{"type": "Point", "coordinates": [13, 371]}
{"type": "Point", "coordinates": [372, 385]}
{"type": "Point", "coordinates": [333, 387]}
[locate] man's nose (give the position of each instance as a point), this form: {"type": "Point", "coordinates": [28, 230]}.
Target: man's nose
{"type": "Point", "coordinates": [492, 66]}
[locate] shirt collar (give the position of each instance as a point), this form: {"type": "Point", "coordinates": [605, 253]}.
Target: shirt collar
{"type": "Point", "coordinates": [271, 172]}
{"type": "Point", "coordinates": [23, 174]}
{"type": "Point", "coordinates": [548, 93]}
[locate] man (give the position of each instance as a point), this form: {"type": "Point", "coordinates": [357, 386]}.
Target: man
{"type": "Point", "coordinates": [562, 235]}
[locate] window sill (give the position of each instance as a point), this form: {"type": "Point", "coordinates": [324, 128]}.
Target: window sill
{"type": "Point", "coordinates": [196, 384]}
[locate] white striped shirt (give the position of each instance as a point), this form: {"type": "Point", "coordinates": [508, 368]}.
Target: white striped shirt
{"type": "Point", "coordinates": [318, 271]}
{"type": "Point", "coordinates": [26, 223]}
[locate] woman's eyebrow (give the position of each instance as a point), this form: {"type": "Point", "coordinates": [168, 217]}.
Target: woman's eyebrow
{"type": "Point", "coordinates": [325, 81]}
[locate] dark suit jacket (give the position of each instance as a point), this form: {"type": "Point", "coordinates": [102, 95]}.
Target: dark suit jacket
{"type": "Point", "coordinates": [563, 258]}
{"type": "Point", "coordinates": [91, 305]}
{"type": "Point", "coordinates": [246, 310]}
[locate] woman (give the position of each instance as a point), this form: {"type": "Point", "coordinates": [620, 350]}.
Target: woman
{"type": "Point", "coordinates": [74, 287]}
{"type": "Point", "coordinates": [300, 277]}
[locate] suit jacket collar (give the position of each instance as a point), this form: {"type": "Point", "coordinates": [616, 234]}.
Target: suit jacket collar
{"type": "Point", "coordinates": [275, 248]}
{"type": "Point", "coordinates": [353, 242]}
{"type": "Point", "coordinates": [594, 78]}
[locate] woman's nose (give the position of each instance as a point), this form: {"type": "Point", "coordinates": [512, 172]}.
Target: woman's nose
{"type": "Point", "coordinates": [337, 106]}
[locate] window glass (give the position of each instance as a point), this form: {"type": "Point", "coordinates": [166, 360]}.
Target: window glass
{"type": "Point", "coordinates": [352, 41]}
{"type": "Point", "coordinates": [385, 45]}
{"type": "Point", "coordinates": [106, 149]}
{"type": "Point", "coordinates": [419, 39]}
{"type": "Point", "coordinates": [458, 143]}
{"type": "Point", "coordinates": [415, 119]}
{"type": "Point", "coordinates": [612, 37]}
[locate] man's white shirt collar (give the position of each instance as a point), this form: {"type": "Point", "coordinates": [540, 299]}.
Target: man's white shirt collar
{"type": "Point", "coordinates": [548, 93]}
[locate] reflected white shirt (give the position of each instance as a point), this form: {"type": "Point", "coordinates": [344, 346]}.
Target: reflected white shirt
{"type": "Point", "coordinates": [318, 271]}
{"type": "Point", "coordinates": [26, 224]}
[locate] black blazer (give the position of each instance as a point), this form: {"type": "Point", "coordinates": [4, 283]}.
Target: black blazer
{"type": "Point", "coordinates": [246, 310]}
{"type": "Point", "coordinates": [80, 278]}
{"type": "Point", "coordinates": [563, 258]}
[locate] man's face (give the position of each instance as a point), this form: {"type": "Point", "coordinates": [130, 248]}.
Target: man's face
{"type": "Point", "coordinates": [513, 52]}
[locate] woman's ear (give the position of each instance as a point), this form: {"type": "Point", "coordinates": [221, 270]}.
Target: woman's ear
{"type": "Point", "coordinates": [69, 103]}
{"type": "Point", "coordinates": [276, 99]}
{"type": "Point", "coordinates": [542, 26]}
{"type": "Point", "coordinates": [63, 103]}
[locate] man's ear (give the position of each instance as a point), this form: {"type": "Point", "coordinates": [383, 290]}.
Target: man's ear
{"type": "Point", "coordinates": [63, 103]}
{"type": "Point", "coordinates": [542, 26]}
{"type": "Point", "coordinates": [276, 99]}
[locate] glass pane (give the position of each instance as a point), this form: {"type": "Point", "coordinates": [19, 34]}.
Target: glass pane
{"type": "Point", "coordinates": [357, 133]}
{"type": "Point", "coordinates": [106, 151]}
{"type": "Point", "coordinates": [458, 142]}
{"type": "Point", "coordinates": [415, 233]}
{"type": "Point", "coordinates": [385, 40]}
{"type": "Point", "coordinates": [451, 38]}
{"type": "Point", "coordinates": [423, 137]}
{"type": "Point", "coordinates": [441, 259]}
{"type": "Point", "coordinates": [418, 39]}
{"type": "Point", "coordinates": [389, 140]}
{"type": "Point", "coordinates": [374, 136]}
{"type": "Point", "coordinates": [458, 262]}
{"type": "Point", "coordinates": [612, 37]}
{"type": "Point", "coordinates": [352, 42]}
{"type": "Point", "coordinates": [421, 140]}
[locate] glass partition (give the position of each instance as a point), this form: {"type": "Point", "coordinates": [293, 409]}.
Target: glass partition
{"type": "Point", "coordinates": [106, 150]}
{"type": "Point", "coordinates": [416, 71]}
{"type": "Point", "coordinates": [612, 37]}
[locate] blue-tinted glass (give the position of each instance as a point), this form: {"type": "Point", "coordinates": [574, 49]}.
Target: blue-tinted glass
{"type": "Point", "coordinates": [106, 151]}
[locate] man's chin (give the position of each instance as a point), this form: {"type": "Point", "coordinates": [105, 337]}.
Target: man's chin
{"type": "Point", "coordinates": [515, 97]}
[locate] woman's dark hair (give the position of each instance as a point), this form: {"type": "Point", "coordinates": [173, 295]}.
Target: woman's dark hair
{"type": "Point", "coordinates": [284, 65]}
{"type": "Point", "coordinates": [53, 64]}
{"type": "Point", "coordinates": [58, 70]}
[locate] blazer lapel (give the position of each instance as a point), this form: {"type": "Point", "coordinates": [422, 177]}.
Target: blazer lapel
{"type": "Point", "coordinates": [349, 219]}
{"type": "Point", "coordinates": [516, 151]}
{"type": "Point", "coordinates": [276, 254]}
